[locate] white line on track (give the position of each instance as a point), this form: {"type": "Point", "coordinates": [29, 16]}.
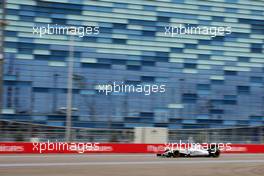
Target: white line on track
{"type": "Point", "coordinates": [128, 163]}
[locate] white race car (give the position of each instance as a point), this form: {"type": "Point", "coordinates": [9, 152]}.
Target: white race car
{"type": "Point", "coordinates": [193, 151]}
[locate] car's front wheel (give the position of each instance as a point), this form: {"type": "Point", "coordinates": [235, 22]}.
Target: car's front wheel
{"type": "Point", "coordinates": [215, 154]}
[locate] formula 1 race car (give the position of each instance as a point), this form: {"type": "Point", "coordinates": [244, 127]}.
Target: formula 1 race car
{"type": "Point", "coordinates": [194, 151]}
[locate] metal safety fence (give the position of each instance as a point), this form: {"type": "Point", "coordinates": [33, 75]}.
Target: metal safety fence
{"type": "Point", "coordinates": [26, 131]}
{"type": "Point", "coordinates": [220, 135]}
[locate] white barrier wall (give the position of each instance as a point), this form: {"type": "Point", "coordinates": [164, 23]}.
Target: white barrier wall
{"type": "Point", "coordinates": [151, 135]}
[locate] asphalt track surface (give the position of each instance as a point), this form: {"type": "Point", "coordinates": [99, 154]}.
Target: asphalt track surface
{"type": "Point", "coordinates": [130, 165]}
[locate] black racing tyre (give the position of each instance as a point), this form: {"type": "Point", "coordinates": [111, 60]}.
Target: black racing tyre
{"type": "Point", "coordinates": [176, 154]}
{"type": "Point", "coordinates": [215, 154]}
{"type": "Point", "coordinates": [170, 155]}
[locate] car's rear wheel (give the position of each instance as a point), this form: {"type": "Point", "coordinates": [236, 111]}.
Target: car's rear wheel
{"type": "Point", "coordinates": [176, 154]}
{"type": "Point", "coordinates": [170, 155]}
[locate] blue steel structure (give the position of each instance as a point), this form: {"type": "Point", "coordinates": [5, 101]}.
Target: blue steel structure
{"type": "Point", "coordinates": [210, 81]}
